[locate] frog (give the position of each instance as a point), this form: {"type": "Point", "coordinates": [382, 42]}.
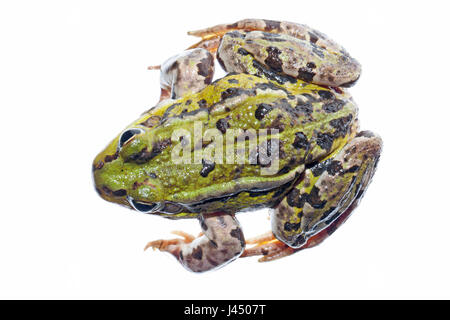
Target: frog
{"type": "Point", "coordinates": [285, 81]}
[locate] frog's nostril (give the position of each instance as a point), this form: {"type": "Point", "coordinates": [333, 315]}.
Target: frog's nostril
{"type": "Point", "coordinates": [144, 207]}
{"type": "Point", "coordinates": [128, 134]}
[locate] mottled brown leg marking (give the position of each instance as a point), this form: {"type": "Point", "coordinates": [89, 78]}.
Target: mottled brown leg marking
{"type": "Point", "coordinates": [222, 241]}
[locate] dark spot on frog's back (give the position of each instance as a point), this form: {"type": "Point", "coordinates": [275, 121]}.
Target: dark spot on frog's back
{"type": "Point", "coordinates": [318, 168]}
{"type": "Point", "coordinates": [334, 167]}
{"type": "Point", "coordinates": [235, 81]}
{"type": "Point", "coordinates": [311, 65]}
{"type": "Point", "coordinates": [300, 141]}
{"type": "Point", "coordinates": [304, 107]}
{"type": "Point", "coordinates": [273, 60]}
{"type": "Point", "coordinates": [342, 125]}
{"type": "Point", "coordinates": [262, 110]}
{"type": "Point", "coordinates": [222, 125]}
{"type": "Point", "coordinates": [325, 140]}
{"type": "Point", "coordinates": [202, 103]}
{"type": "Point", "coordinates": [207, 168]}
{"type": "Point", "coordinates": [325, 94]}
{"type": "Point", "coordinates": [305, 74]}
{"type": "Point", "coordinates": [333, 106]}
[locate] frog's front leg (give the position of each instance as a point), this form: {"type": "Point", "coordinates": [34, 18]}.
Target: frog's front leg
{"type": "Point", "coordinates": [323, 200]}
{"type": "Point", "coordinates": [187, 72]}
{"type": "Point", "coordinates": [222, 242]}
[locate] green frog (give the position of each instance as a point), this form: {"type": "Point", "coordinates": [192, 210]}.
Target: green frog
{"type": "Point", "coordinates": [279, 131]}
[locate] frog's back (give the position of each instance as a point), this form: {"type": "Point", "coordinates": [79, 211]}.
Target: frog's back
{"type": "Point", "coordinates": [241, 143]}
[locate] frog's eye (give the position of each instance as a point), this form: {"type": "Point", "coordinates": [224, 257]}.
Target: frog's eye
{"type": "Point", "coordinates": [144, 207]}
{"type": "Point", "coordinates": [128, 134]}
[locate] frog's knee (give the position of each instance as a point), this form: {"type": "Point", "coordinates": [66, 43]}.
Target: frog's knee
{"type": "Point", "coordinates": [327, 191]}
{"type": "Point", "coordinates": [189, 71]}
{"type": "Point", "coordinates": [286, 226]}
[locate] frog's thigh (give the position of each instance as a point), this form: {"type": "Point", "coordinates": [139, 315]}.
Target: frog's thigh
{"type": "Point", "coordinates": [222, 242]}
{"type": "Point", "coordinates": [189, 71]}
{"type": "Point", "coordinates": [327, 194]}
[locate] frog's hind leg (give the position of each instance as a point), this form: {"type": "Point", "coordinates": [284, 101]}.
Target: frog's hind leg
{"type": "Point", "coordinates": [211, 36]}
{"type": "Point", "coordinates": [280, 51]}
{"type": "Point", "coordinates": [222, 242]}
{"type": "Point", "coordinates": [187, 72]}
{"type": "Point", "coordinates": [322, 201]}
{"type": "Point", "coordinates": [272, 249]}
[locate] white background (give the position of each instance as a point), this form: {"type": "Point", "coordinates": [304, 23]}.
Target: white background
{"type": "Point", "coordinates": [73, 75]}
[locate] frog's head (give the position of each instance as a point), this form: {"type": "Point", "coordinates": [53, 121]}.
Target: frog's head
{"type": "Point", "coordinates": [126, 171]}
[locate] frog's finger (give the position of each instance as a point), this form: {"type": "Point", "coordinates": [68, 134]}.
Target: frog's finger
{"type": "Point", "coordinates": [328, 192]}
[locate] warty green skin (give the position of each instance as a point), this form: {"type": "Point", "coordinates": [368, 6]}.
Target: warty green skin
{"type": "Point", "coordinates": [143, 168]}
{"type": "Point", "coordinates": [324, 168]}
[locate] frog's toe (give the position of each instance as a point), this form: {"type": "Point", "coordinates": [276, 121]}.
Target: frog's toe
{"type": "Point", "coordinates": [172, 246]}
{"type": "Point", "coordinates": [186, 236]}
{"type": "Point", "coordinates": [262, 238]}
{"type": "Point", "coordinates": [269, 251]}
